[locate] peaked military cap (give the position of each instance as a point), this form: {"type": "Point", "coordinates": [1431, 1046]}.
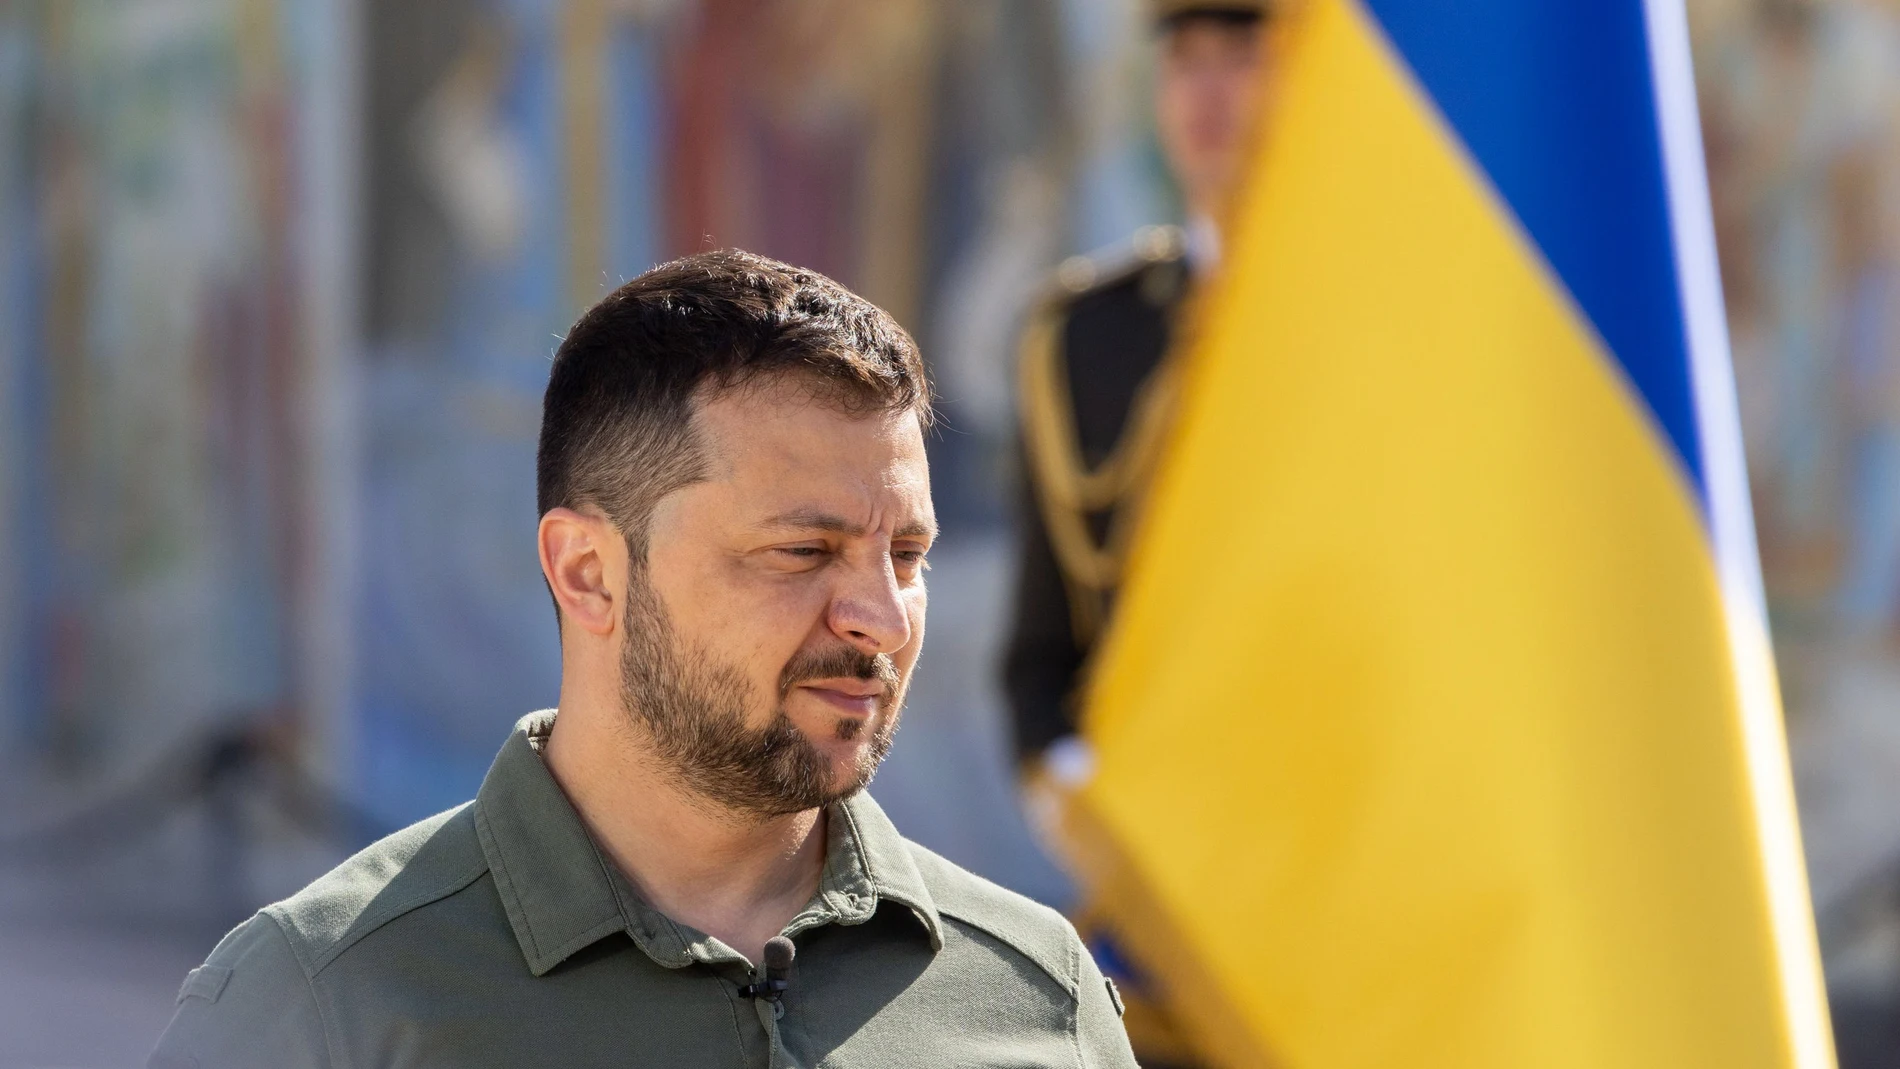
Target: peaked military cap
{"type": "Point", "coordinates": [1167, 11]}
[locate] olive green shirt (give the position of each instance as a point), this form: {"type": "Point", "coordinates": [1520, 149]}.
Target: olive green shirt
{"type": "Point", "coordinates": [496, 934]}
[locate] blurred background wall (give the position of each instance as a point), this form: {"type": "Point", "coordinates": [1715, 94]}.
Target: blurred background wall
{"type": "Point", "coordinates": [1801, 123]}
{"type": "Point", "coordinates": [279, 281]}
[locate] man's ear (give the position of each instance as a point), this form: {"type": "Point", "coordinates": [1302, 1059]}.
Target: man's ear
{"type": "Point", "coordinates": [584, 560]}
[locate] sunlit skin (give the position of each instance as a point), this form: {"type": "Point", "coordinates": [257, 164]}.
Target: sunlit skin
{"type": "Point", "coordinates": [809, 533]}
{"type": "Point", "coordinates": [812, 533]}
{"type": "Point", "coordinates": [1208, 96]}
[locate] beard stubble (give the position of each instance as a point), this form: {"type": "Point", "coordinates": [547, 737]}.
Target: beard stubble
{"type": "Point", "coordinates": [693, 710]}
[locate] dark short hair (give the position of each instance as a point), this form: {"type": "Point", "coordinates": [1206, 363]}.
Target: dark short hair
{"type": "Point", "coordinates": [617, 420]}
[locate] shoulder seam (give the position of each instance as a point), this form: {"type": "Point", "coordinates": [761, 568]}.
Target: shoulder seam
{"type": "Point", "coordinates": [364, 927]}
{"type": "Point", "coordinates": [934, 868]}
{"type": "Point", "coordinates": [1069, 983]}
{"type": "Point", "coordinates": [370, 922]}
{"type": "Point", "coordinates": [310, 986]}
{"type": "Point", "coordinates": [1075, 1007]}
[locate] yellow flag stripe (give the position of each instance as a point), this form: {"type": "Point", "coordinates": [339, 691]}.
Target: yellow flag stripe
{"type": "Point", "coordinates": [1417, 732]}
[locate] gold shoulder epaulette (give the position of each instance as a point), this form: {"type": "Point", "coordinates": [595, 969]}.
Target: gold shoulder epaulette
{"type": "Point", "coordinates": [1066, 488]}
{"type": "Point", "coordinates": [1088, 272]}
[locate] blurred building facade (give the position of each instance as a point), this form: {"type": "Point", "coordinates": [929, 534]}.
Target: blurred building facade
{"type": "Point", "coordinates": [282, 278]}
{"type": "Point", "coordinates": [1801, 122]}
{"type": "Point", "coordinates": [173, 309]}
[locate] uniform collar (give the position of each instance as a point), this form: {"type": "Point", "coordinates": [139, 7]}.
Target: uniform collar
{"type": "Point", "coordinates": [561, 894]}
{"type": "Point", "coordinates": [1202, 245]}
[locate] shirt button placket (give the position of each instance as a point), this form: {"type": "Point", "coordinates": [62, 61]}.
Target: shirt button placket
{"type": "Point", "coordinates": [769, 1011]}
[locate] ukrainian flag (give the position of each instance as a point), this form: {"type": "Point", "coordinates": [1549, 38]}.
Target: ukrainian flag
{"type": "Point", "coordinates": [1438, 726]}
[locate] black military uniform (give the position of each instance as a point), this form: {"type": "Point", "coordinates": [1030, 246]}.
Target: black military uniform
{"type": "Point", "coordinates": [1096, 389]}
{"type": "Point", "coordinates": [1098, 382]}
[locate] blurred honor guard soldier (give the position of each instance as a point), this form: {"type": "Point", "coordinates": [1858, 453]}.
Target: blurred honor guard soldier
{"type": "Point", "coordinates": [1095, 381]}
{"type": "Point", "coordinates": [679, 867]}
{"type": "Point", "coordinates": [1096, 386]}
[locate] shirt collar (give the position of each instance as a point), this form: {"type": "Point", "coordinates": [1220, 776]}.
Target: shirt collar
{"type": "Point", "coordinates": [561, 894]}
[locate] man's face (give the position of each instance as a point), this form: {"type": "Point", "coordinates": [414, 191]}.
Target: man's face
{"type": "Point", "coordinates": [771, 635]}
{"type": "Point", "coordinates": [1207, 94]}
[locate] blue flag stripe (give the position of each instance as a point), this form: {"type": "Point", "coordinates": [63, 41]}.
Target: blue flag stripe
{"type": "Point", "coordinates": [1554, 101]}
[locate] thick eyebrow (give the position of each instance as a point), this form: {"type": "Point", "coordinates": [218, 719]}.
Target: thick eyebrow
{"type": "Point", "coordinates": [813, 520]}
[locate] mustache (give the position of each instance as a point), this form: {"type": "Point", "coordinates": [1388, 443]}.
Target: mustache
{"type": "Point", "coordinates": [836, 663]}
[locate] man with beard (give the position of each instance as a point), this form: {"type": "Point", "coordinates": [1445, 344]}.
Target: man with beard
{"type": "Point", "coordinates": [735, 511]}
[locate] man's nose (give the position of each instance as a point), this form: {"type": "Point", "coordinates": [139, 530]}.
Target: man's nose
{"type": "Point", "coordinates": [867, 610]}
